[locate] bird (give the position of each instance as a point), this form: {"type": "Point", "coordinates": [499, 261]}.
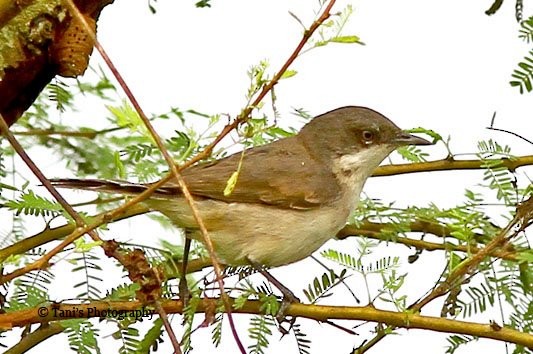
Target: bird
{"type": "Point", "coordinates": [290, 196]}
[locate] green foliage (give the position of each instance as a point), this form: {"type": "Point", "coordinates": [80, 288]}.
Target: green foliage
{"type": "Point", "coordinates": [59, 93]}
{"type": "Point", "coordinates": [259, 331]}
{"type": "Point", "coordinates": [188, 316]}
{"type": "Point", "coordinates": [3, 172]}
{"type": "Point", "coordinates": [496, 284]}
{"type": "Point", "coordinates": [526, 30]}
{"type": "Point", "coordinates": [29, 203]}
{"type": "Point", "coordinates": [331, 31]}
{"type": "Point", "coordinates": [412, 153]}
{"type": "Point", "coordinates": [455, 341]}
{"type": "Point", "coordinates": [216, 332]}
{"type": "Point", "coordinates": [321, 287]}
{"type": "Point", "coordinates": [152, 339]}
{"type": "Point", "coordinates": [379, 266]}
{"type": "Point", "coordinates": [125, 116]}
{"type": "Point", "coordinates": [91, 285]}
{"type": "Point", "coordinates": [258, 131]}
{"type": "Point", "coordinates": [30, 290]}
{"type": "Point", "coordinates": [258, 78]}
{"type": "Point", "coordinates": [344, 259]}
{"type": "Point", "coordinates": [82, 336]}
{"type": "Point", "coordinates": [392, 283]}
{"type": "Point", "coordinates": [384, 267]}
{"type": "Point", "coordinates": [123, 292]}
{"type": "Point", "coordinates": [304, 344]}
{"type": "Point", "coordinates": [203, 3]}
{"type": "Point", "coordinates": [151, 6]}
{"type": "Point", "coordinates": [498, 177]}
{"type": "Point", "coordinates": [523, 75]}
{"type": "Point", "coordinates": [102, 88]}
{"type": "Point", "coordinates": [481, 298]}
{"type": "Point", "coordinates": [269, 302]}
{"type": "Point", "coordinates": [129, 336]}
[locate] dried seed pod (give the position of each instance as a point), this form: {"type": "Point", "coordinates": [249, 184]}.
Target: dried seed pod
{"type": "Point", "coordinates": [73, 47]}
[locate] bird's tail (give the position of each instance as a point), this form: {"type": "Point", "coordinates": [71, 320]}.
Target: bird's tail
{"type": "Point", "coordinates": [100, 185]}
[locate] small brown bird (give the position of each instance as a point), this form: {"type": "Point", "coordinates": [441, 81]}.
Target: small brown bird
{"type": "Point", "coordinates": [291, 195]}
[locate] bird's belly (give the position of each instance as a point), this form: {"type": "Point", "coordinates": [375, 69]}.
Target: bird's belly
{"type": "Point", "coordinates": [275, 238]}
{"type": "Point", "coordinates": [263, 234]}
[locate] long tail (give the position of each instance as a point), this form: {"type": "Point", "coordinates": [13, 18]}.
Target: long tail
{"type": "Point", "coordinates": [100, 185]}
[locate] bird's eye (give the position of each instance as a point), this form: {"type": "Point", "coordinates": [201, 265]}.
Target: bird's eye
{"type": "Point", "coordinates": [368, 136]}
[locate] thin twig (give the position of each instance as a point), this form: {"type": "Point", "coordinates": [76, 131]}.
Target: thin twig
{"type": "Point", "coordinates": [512, 133]}
{"type": "Point", "coordinates": [450, 164]}
{"type": "Point", "coordinates": [166, 323]}
{"type": "Point", "coordinates": [91, 134]}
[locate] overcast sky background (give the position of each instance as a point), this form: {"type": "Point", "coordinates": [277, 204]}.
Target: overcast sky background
{"type": "Point", "coordinates": [441, 65]}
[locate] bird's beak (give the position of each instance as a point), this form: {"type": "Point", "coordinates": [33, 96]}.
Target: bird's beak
{"type": "Point", "coordinates": [407, 139]}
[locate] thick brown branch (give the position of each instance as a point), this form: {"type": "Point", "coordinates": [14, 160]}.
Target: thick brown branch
{"type": "Point", "coordinates": [38, 41]}
{"type": "Point", "coordinates": [58, 312]}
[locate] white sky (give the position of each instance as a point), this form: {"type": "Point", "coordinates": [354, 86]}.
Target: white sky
{"type": "Point", "coordinates": [441, 65]}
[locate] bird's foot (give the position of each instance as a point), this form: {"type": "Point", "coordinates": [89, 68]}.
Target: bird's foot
{"type": "Point", "coordinates": [288, 299]}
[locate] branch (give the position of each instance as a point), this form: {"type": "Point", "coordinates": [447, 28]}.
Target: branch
{"type": "Point", "coordinates": [59, 312]}
{"type": "Point", "coordinates": [457, 276]}
{"type": "Point", "coordinates": [449, 165]}
{"type": "Point", "coordinates": [57, 233]}
{"type": "Point", "coordinates": [373, 230]}
{"type": "Point", "coordinates": [459, 273]}
{"type": "Point", "coordinates": [39, 40]}
{"type": "Point", "coordinates": [88, 134]}
{"type": "Point", "coordinates": [27, 342]}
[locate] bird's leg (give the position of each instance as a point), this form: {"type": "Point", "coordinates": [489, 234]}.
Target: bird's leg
{"type": "Point", "coordinates": [183, 288]}
{"type": "Point", "coordinates": [288, 295]}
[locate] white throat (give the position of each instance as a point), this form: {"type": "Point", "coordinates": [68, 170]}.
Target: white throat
{"type": "Point", "coordinates": [352, 170]}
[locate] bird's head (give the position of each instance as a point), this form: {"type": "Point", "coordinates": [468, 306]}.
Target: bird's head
{"type": "Point", "coordinates": [354, 138]}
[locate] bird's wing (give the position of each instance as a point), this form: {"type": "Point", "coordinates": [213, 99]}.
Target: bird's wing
{"type": "Point", "coordinates": [274, 174]}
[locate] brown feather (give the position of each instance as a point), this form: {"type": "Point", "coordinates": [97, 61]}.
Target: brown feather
{"type": "Point", "coordinates": [276, 185]}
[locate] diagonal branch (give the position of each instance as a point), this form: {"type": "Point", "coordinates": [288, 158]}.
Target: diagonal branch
{"type": "Point", "coordinates": [243, 116]}
{"type": "Point", "coordinates": [457, 276]}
